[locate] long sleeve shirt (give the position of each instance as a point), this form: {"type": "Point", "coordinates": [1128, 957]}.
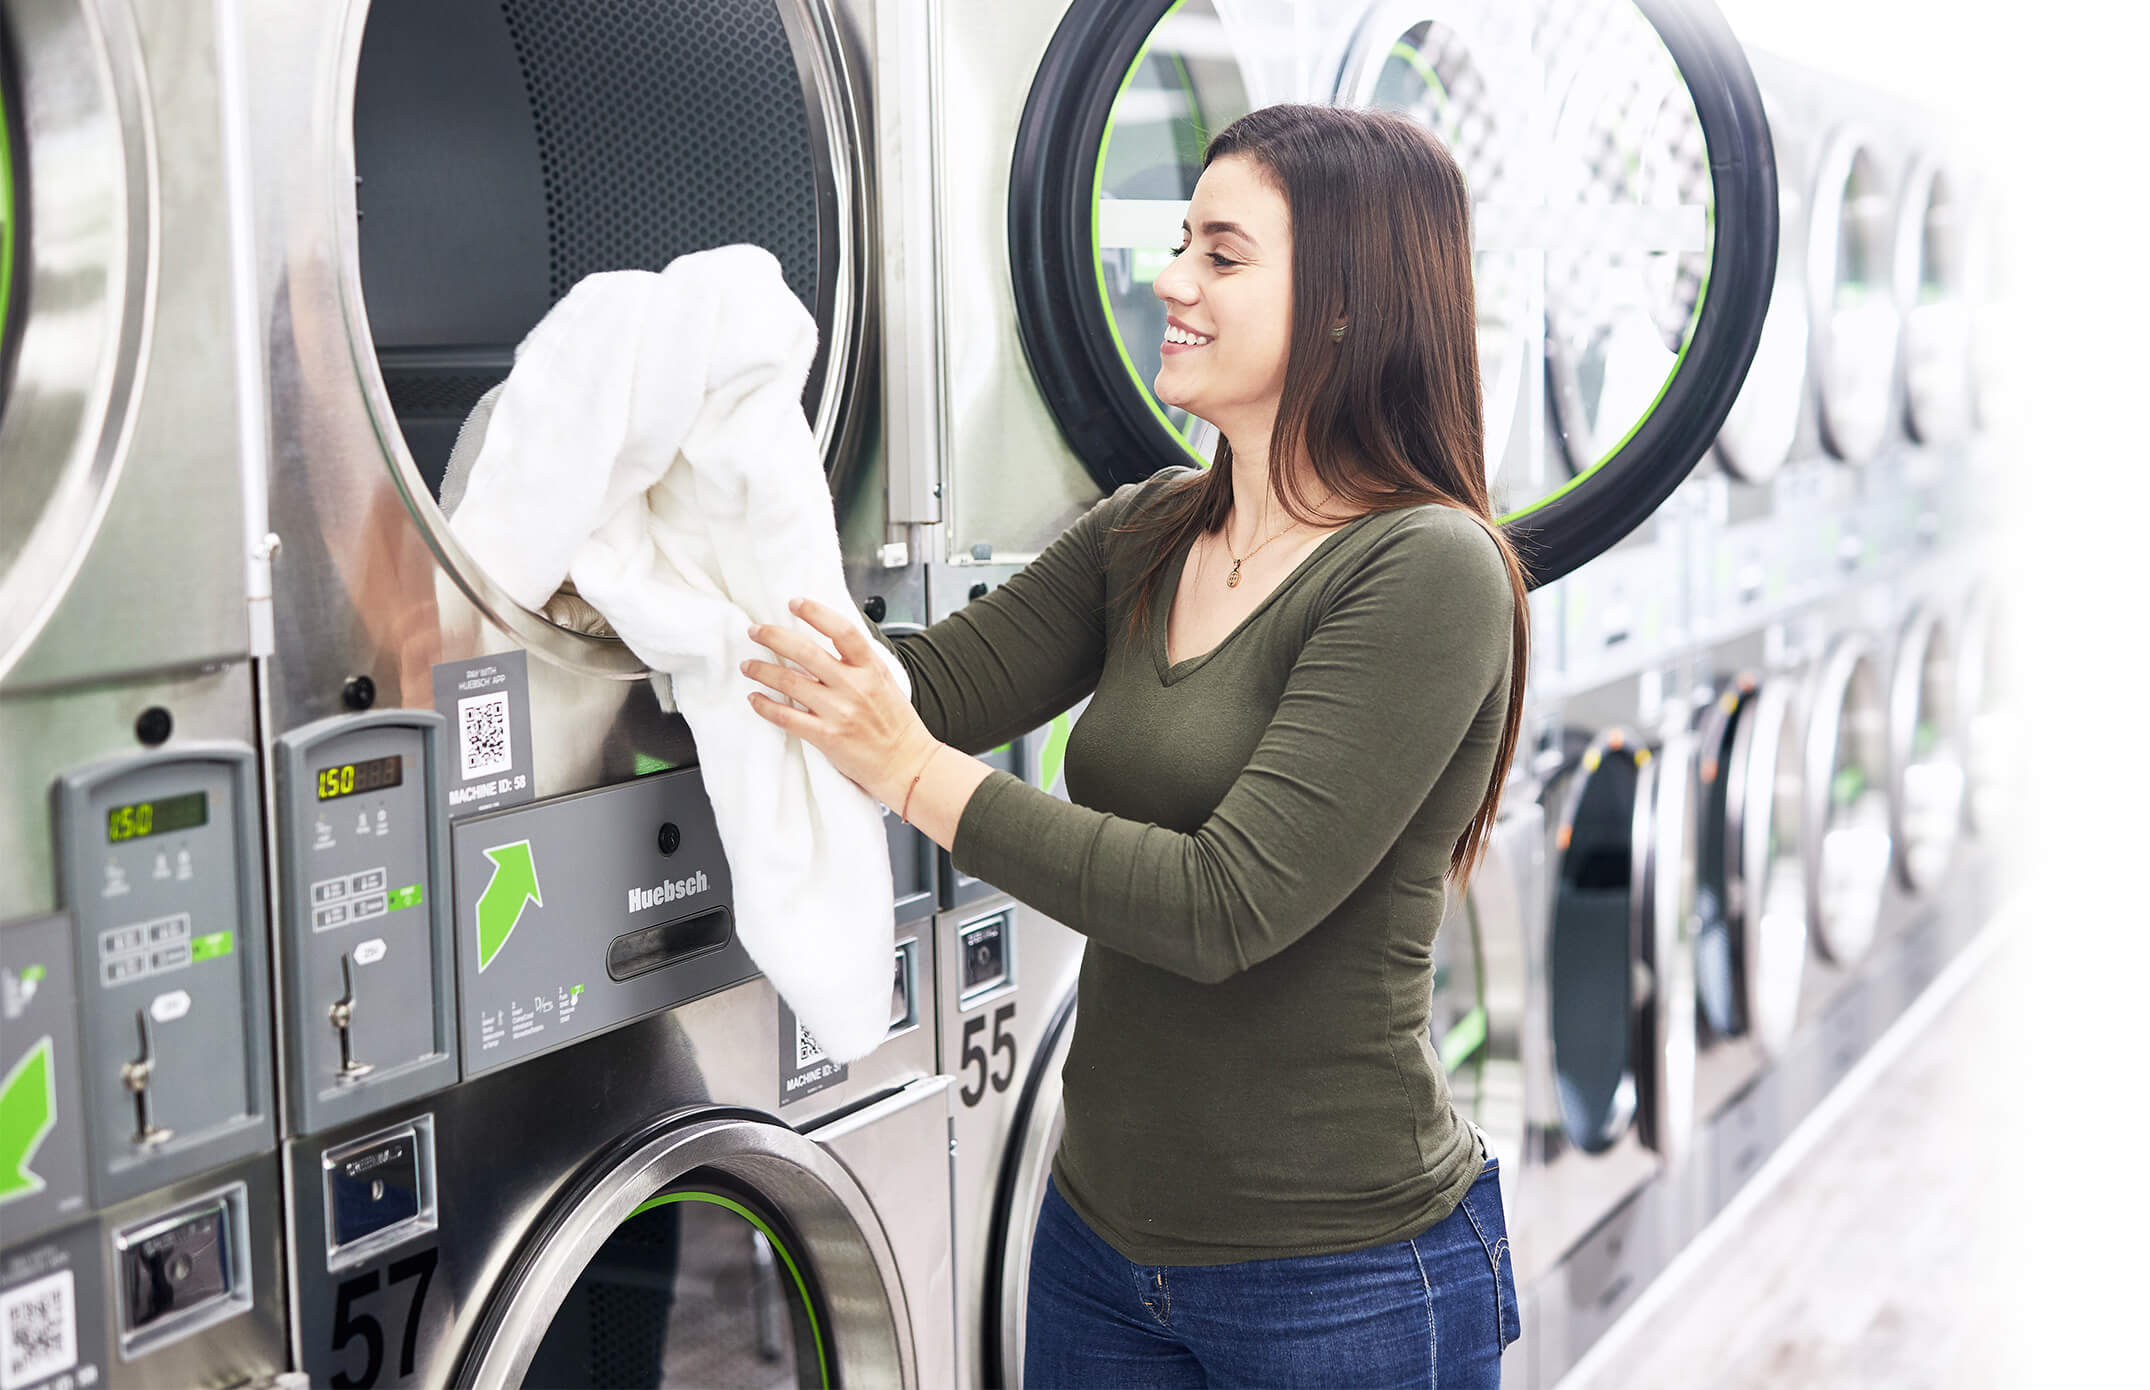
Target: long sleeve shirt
{"type": "Point", "coordinates": [1255, 845]}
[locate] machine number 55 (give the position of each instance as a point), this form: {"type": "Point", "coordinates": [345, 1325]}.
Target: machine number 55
{"type": "Point", "coordinates": [973, 1051]}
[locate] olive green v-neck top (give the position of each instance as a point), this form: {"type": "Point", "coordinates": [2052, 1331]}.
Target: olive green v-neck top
{"type": "Point", "coordinates": [1254, 846]}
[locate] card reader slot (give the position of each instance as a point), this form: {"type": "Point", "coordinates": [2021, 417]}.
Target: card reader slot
{"type": "Point", "coordinates": [652, 948]}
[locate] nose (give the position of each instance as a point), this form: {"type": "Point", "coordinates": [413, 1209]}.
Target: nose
{"type": "Point", "coordinates": [1174, 285]}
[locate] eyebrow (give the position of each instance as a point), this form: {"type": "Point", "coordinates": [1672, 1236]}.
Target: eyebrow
{"type": "Point", "coordinates": [1226, 229]}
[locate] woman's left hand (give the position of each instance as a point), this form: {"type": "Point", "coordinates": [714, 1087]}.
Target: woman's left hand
{"type": "Point", "coordinates": [855, 713]}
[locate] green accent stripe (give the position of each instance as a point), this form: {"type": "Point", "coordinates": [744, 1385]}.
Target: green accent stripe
{"type": "Point", "coordinates": [813, 1318]}
{"type": "Point", "coordinates": [1462, 1042]}
{"type": "Point", "coordinates": [7, 207]}
{"type": "Point", "coordinates": [215, 944]}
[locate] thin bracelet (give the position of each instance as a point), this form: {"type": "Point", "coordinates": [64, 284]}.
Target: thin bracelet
{"type": "Point", "coordinates": [906, 813]}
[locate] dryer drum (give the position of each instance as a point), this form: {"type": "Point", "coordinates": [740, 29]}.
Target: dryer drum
{"type": "Point", "coordinates": [1081, 222]}
{"type": "Point", "coordinates": [505, 149]}
{"type": "Point", "coordinates": [714, 1249]}
{"type": "Point", "coordinates": [1847, 804]}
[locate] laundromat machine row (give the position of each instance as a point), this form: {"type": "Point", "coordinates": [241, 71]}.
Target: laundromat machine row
{"type": "Point", "coordinates": [373, 1009]}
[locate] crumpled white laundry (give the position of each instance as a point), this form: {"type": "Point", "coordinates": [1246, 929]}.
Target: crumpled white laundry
{"type": "Point", "coordinates": [649, 443]}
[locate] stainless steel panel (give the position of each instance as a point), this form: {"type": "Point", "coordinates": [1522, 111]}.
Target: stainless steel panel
{"type": "Point", "coordinates": [125, 537]}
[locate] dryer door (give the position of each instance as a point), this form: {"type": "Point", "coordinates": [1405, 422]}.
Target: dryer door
{"type": "Point", "coordinates": [1852, 297]}
{"type": "Point", "coordinates": [1026, 1163]}
{"type": "Point", "coordinates": [74, 270]}
{"type": "Point", "coordinates": [1937, 272]}
{"type": "Point", "coordinates": [1846, 813]}
{"type": "Point", "coordinates": [437, 174]}
{"type": "Point", "coordinates": [717, 1250]}
{"type": "Point", "coordinates": [1645, 115]}
{"type": "Point", "coordinates": [1765, 876]}
{"type": "Point", "coordinates": [1926, 774]}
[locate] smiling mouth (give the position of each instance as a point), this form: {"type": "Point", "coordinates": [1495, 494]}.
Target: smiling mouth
{"type": "Point", "coordinates": [1176, 336]}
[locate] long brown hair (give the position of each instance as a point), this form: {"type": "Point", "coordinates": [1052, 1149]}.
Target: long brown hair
{"type": "Point", "coordinates": [1389, 416]}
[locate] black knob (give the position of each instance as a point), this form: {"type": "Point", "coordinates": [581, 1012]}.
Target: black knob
{"type": "Point", "coordinates": [876, 607]}
{"type": "Point", "coordinates": [154, 725]}
{"type": "Point", "coordinates": [667, 838]}
{"type": "Point", "coordinates": [978, 590]}
{"type": "Point", "coordinates": [358, 693]}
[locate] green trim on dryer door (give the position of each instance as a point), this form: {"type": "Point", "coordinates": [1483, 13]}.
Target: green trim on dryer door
{"type": "Point", "coordinates": [776, 1243]}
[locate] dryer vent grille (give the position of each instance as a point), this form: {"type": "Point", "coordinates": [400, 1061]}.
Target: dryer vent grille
{"type": "Point", "coordinates": [665, 127]}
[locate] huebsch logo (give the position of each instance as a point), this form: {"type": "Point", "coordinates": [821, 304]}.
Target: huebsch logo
{"type": "Point", "coordinates": [669, 891]}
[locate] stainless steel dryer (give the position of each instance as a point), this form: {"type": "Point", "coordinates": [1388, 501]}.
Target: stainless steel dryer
{"type": "Point", "coordinates": [1925, 759]}
{"type": "Point", "coordinates": [1845, 823]}
{"type": "Point", "coordinates": [138, 1187]}
{"type": "Point", "coordinates": [1610, 1044]}
{"type": "Point", "coordinates": [1938, 267]}
{"type": "Point", "coordinates": [512, 993]}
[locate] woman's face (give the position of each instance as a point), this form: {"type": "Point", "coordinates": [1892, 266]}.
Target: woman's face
{"type": "Point", "coordinates": [1227, 298]}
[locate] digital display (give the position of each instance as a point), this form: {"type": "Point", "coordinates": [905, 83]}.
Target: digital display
{"type": "Point", "coordinates": [139, 818]}
{"type": "Point", "coordinates": [350, 779]}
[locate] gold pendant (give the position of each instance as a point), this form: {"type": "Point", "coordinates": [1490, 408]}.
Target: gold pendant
{"type": "Point", "coordinates": [1231, 581]}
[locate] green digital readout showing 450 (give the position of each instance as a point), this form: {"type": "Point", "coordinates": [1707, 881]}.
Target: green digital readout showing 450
{"type": "Point", "coordinates": [350, 779]}
{"type": "Point", "coordinates": [139, 818]}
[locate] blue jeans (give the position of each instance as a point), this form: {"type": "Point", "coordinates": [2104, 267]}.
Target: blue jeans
{"type": "Point", "coordinates": [1435, 1310]}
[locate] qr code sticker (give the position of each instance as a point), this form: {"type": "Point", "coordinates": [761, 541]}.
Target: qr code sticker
{"type": "Point", "coordinates": [805, 1050]}
{"type": "Point", "coordinates": [483, 724]}
{"type": "Point", "coordinates": [40, 1318]}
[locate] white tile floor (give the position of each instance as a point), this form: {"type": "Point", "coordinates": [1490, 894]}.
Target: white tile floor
{"type": "Point", "coordinates": [1941, 1232]}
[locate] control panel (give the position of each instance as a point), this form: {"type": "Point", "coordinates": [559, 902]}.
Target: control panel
{"type": "Point", "coordinates": [579, 914]}
{"type": "Point", "coordinates": [368, 1011]}
{"type": "Point", "coordinates": [160, 870]}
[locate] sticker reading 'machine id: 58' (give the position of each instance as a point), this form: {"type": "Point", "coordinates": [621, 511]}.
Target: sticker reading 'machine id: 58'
{"type": "Point", "coordinates": [486, 700]}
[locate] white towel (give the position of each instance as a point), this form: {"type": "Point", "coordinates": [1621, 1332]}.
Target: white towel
{"type": "Point", "coordinates": [649, 444]}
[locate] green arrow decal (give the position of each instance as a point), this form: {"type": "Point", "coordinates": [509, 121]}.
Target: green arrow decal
{"type": "Point", "coordinates": [1056, 750]}
{"type": "Point", "coordinates": [29, 1108]}
{"type": "Point", "coordinates": [514, 886]}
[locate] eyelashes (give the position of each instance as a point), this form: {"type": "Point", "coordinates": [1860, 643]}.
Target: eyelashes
{"type": "Point", "coordinates": [1220, 261]}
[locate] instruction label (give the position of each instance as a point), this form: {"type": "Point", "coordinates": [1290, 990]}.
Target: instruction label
{"type": "Point", "coordinates": [486, 701]}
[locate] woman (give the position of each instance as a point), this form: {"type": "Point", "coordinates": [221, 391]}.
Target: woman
{"type": "Point", "coordinates": [1308, 666]}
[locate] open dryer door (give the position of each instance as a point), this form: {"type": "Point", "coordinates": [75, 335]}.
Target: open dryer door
{"type": "Point", "coordinates": [1751, 940]}
{"type": "Point", "coordinates": [1619, 947]}
{"type": "Point", "coordinates": [716, 1249]}
{"type": "Point", "coordinates": [1558, 107]}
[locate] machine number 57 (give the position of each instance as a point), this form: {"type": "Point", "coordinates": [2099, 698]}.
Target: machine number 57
{"type": "Point", "coordinates": [973, 1051]}
{"type": "Point", "coordinates": [354, 1325]}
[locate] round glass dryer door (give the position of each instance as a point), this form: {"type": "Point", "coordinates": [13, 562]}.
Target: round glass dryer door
{"type": "Point", "coordinates": [1466, 85]}
{"type": "Point", "coordinates": [75, 260]}
{"type": "Point", "coordinates": [1855, 318]}
{"type": "Point", "coordinates": [1926, 776]}
{"type": "Point", "coordinates": [721, 1251]}
{"type": "Point", "coordinates": [1594, 966]}
{"type": "Point", "coordinates": [1128, 94]}
{"type": "Point", "coordinates": [506, 149]}
{"type": "Point", "coordinates": [1751, 942]}
{"type": "Point", "coordinates": [1935, 279]}
{"type": "Point", "coordinates": [1847, 802]}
